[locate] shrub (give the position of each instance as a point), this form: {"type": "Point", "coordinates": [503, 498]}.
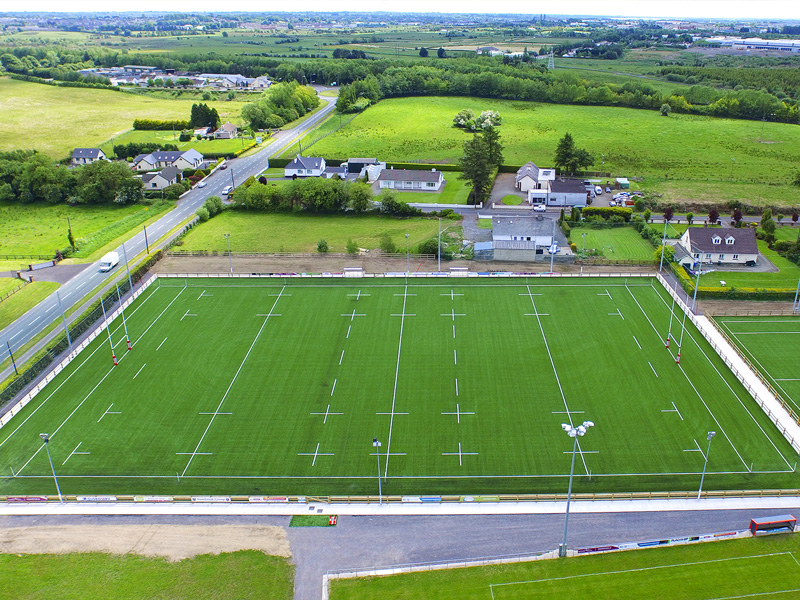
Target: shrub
{"type": "Point", "coordinates": [213, 205]}
{"type": "Point", "coordinates": [387, 244]}
{"type": "Point", "coordinates": [607, 211]}
{"type": "Point", "coordinates": [202, 214]}
{"type": "Point", "coordinates": [566, 228]}
{"type": "Point", "coordinates": [322, 246]}
{"type": "Point", "coordinates": [352, 247]}
{"type": "Point", "coordinates": [647, 214]}
{"type": "Point", "coordinates": [174, 191]}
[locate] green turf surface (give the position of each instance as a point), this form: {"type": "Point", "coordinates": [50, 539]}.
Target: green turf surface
{"type": "Point", "coordinates": [279, 386]}
{"type": "Point", "coordinates": [511, 200]}
{"type": "Point", "coordinates": [242, 575]}
{"type": "Point", "coordinates": [614, 243]}
{"type": "Point", "coordinates": [772, 344]}
{"type": "Point", "coordinates": [765, 567]}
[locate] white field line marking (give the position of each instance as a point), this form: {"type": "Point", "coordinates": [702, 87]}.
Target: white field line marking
{"type": "Point", "coordinates": [341, 358]}
{"type": "Point", "coordinates": [184, 314]}
{"type": "Point", "coordinates": [700, 450]}
{"type": "Point", "coordinates": [567, 412]}
{"type": "Point", "coordinates": [456, 386]}
{"type": "Point", "coordinates": [73, 453]}
{"type": "Point", "coordinates": [212, 413]}
{"type": "Point", "coordinates": [78, 368]}
{"type": "Point", "coordinates": [688, 564]}
{"type": "Point", "coordinates": [460, 454]}
{"type": "Point", "coordinates": [784, 379]}
{"type": "Point", "coordinates": [161, 344]}
{"type": "Point", "coordinates": [327, 413]}
{"type": "Point", "coordinates": [396, 375]}
{"type": "Point", "coordinates": [652, 368]}
{"type": "Point", "coordinates": [108, 412]}
{"type": "Point", "coordinates": [761, 332]}
{"type": "Point", "coordinates": [333, 389]}
{"type": "Point", "coordinates": [454, 332]}
{"type": "Point", "coordinates": [455, 357]}
{"type": "Point", "coordinates": [582, 452]}
{"type": "Point", "coordinates": [735, 395]}
{"type": "Point", "coordinates": [458, 413]}
{"type": "Point", "coordinates": [677, 411]}
{"type": "Point", "coordinates": [249, 350]}
{"type": "Point", "coordinates": [111, 369]}
{"type": "Point", "coordinates": [198, 453]}
{"type": "Point", "coordinates": [452, 314]}
{"type": "Point", "coordinates": [616, 314]}
{"type": "Point", "coordinates": [404, 295]}
{"type": "Point", "coordinates": [541, 314]}
{"type": "Point", "coordinates": [140, 370]}
{"type": "Point", "coordinates": [762, 368]}
{"type": "Point", "coordinates": [353, 315]}
{"type": "Point", "coordinates": [201, 294]}
{"type": "Point", "coordinates": [553, 365]}
{"type": "Point", "coordinates": [262, 315]}
{"type": "Point", "coordinates": [637, 342]}
{"type": "Point", "coordinates": [452, 295]}
{"type": "Point", "coordinates": [348, 332]}
{"type": "Point", "coordinates": [734, 320]}
{"type": "Point", "coordinates": [315, 454]}
{"type": "Point", "coordinates": [390, 413]}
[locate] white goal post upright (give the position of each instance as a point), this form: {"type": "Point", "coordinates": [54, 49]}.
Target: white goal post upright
{"type": "Point", "coordinates": [108, 331]}
{"type": "Point", "coordinates": [124, 323]}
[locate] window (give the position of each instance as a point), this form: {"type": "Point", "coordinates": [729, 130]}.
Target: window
{"type": "Point", "coordinates": [735, 257]}
{"type": "Point", "coordinates": [431, 184]}
{"type": "Point", "coordinates": [716, 240]}
{"type": "Point", "coordinates": [697, 255]}
{"type": "Point", "coordinates": [722, 257]}
{"type": "Point", "coordinates": [708, 256]}
{"type": "Point", "coordinates": [729, 240]}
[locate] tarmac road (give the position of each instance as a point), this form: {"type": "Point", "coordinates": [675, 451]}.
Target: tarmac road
{"type": "Point", "coordinates": [21, 331]}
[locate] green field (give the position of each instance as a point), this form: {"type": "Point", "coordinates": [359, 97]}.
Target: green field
{"type": "Point", "coordinates": [41, 229]}
{"type": "Point", "coordinates": [270, 232]}
{"type": "Point", "coordinates": [765, 567]}
{"type": "Point", "coordinates": [613, 243]}
{"type": "Point", "coordinates": [243, 575]}
{"type": "Point", "coordinates": [786, 278]}
{"type": "Point", "coordinates": [168, 137]}
{"type": "Point", "coordinates": [772, 344]}
{"type": "Point", "coordinates": [251, 386]}
{"type": "Point", "coordinates": [56, 120]}
{"type": "Point", "coordinates": [25, 299]}
{"type": "Point", "coordinates": [725, 160]}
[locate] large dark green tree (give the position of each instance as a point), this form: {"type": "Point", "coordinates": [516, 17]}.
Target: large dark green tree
{"type": "Point", "coordinates": [476, 168]}
{"type": "Point", "coordinates": [494, 148]}
{"type": "Point", "coordinates": [569, 158]}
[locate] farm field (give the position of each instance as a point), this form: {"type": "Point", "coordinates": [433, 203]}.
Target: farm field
{"type": "Point", "coordinates": [772, 344]}
{"type": "Point", "coordinates": [43, 228]}
{"type": "Point", "coordinates": [279, 385]}
{"type": "Point", "coordinates": [725, 160]}
{"type": "Point", "coordinates": [763, 567]}
{"type": "Point", "coordinates": [614, 243]}
{"type": "Point", "coordinates": [246, 575]}
{"type": "Point", "coordinates": [80, 117]}
{"type": "Point", "coordinates": [276, 232]}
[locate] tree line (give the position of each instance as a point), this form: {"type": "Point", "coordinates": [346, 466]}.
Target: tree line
{"type": "Point", "coordinates": [279, 105]}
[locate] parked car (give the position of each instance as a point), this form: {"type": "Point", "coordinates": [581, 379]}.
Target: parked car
{"type": "Point", "coordinates": [202, 184]}
{"type": "Point", "coordinates": [539, 208]}
{"type": "Point", "coordinates": [223, 166]}
{"type": "Point", "coordinates": [608, 190]}
{"type": "Point", "coordinates": [227, 190]}
{"type": "Point", "coordinates": [598, 190]}
{"type": "Point", "coordinates": [612, 203]}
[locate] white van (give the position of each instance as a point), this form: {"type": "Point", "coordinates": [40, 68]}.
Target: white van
{"type": "Point", "coordinates": [109, 261]}
{"type": "Point", "coordinates": [227, 190]}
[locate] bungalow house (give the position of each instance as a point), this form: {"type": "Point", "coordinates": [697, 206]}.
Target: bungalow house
{"type": "Point", "coordinates": [567, 192]}
{"type": "Point", "coordinates": [403, 179]}
{"type": "Point", "coordinates": [227, 132]}
{"type": "Point", "coordinates": [160, 179]}
{"type": "Point", "coordinates": [305, 166]}
{"type": "Point", "coordinates": [189, 159]}
{"type": "Point", "coordinates": [260, 83]}
{"type": "Point", "coordinates": [85, 156]}
{"type": "Point", "coordinates": [521, 238]}
{"type": "Point", "coordinates": [710, 245]}
{"type": "Point", "coordinates": [359, 167]}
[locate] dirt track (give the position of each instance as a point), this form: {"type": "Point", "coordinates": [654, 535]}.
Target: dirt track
{"type": "Point", "coordinates": [174, 542]}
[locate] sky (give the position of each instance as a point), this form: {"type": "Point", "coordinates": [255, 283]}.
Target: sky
{"type": "Point", "coordinates": [713, 9]}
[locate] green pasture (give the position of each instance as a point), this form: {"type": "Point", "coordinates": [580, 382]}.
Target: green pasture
{"type": "Point", "coordinates": [764, 567]}
{"type": "Point", "coordinates": [21, 302]}
{"type": "Point", "coordinates": [56, 120]}
{"type": "Point", "coordinates": [786, 278]}
{"type": "Point", "coordinates": [246, 574]}
{"type": "Point", "coordinates": [278, 232]}
{"type": "Point", "coordinates": [169, 137]}
{"type": "Point", "coordinates": [725, 159]}
{"type": "Point", "coordinates": [772, 344]}
{"type": "Point", "coordinates": [613, 243]}
{"type": "Point", "coordinates": [279, 385]}
{"type": "Point", "coordinates": [43, 228]}
{"type": "Point", "coordinates": [455, 191]}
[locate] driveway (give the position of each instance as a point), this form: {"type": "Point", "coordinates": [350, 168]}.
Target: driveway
{"type": "Point", "coordinates": [505, 185]}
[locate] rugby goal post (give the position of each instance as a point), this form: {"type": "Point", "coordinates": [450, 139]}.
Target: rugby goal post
{"type": "Point", "coordinates": [353, 272]}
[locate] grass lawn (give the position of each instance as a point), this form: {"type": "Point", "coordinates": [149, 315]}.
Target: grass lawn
{"type": "Point", "coordinates": [17, 305]}
{"type": "Point", "coordinates": [455, 191]}
{"type": "Point", "coordinates": [167, 137]}
{"type": "Point", "coordinates": [760, 567]}
{"type": "Point", "coordinates": [484, 223]}
{"type": "Point", "coordinates": [512, 200]}
{"type": "Point", "coordinates": [305, 370]}
{"type": "Point", "coordinates": [42, 228]}
{"type": "Point", "coordinates": [242, 575]}
{"type": "Point", "coordinates": [614, 243]}
{"type": "Point", "coordinates": [8, 284]}
{"type": "Point", "coordinates": [789, 234]}
{"type": "Point", "coordinates": [268, 232]}
{"type": "Point", "coordinates": [785, 279]}
{"type": "Point", "coordinates": [80, 117]}
{"type": "Point", "coordinates": [633, 143]}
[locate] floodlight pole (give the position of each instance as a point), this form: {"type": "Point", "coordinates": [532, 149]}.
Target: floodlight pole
{"type": "Point", "coordinates": [408, 259]}
{"type": "Point", "coordinates": [796, 303]}
{"type": "Point", "coordinates": [227, 236]}
{"type": "Point", "coordinates": [46, 438]}
{"type": "Point", "coordinates": [574, 433]}
{"type": "Point", "coordinates": [63, 320]}
{"type": "Point", "coordinates": [377, 446]}
{"type": "Point", "coordinates": [711, 435]}
{"type": "Point", "coordinates": [108, 331]}
{"type": "Point", "coordinates": [698, 264]}
{"type": "Point", "coordinates": [124, 323]}
{"type": "Point", "coordinates": [552, 245]}
{"type": "Point", "coordinates": [663, 243]}
{"type": "Point", "coordinates": [127, 268]}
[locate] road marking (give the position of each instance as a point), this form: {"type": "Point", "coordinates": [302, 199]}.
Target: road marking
{"type": "Point", "coordinates": [15, 335]}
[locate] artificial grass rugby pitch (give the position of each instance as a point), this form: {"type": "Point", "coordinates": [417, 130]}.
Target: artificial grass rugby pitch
{"type": "Point", "coordinates": [278, 386]}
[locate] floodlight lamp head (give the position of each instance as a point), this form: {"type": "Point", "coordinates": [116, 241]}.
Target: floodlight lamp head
{"type": "Point", "coordinates": [581, 430]}
{"type": "Point", "coordinates": [45, 437]}
{"type": "Point", "coordinates": [565, 426]}
{"type": "Point", "coordinates": [572, 433]}
{"type": "Point", "coordinates": [588, 423]}
{"type": "Point", "coordinates": [711, 434]}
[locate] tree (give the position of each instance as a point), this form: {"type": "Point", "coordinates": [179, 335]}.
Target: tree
{"type": "Point", "coordinates": [713, 216]}
{"type": "Point", "coordinates": [71, 239]}
{"type": "Point", "coordinates": [322, 246]}
{"type": "Point", "coordinates": [359, 197]}
{"type": "Point", "coordinates": [689, 217]}
{"type": "Point", "coordinates": [737, 217]}
{"type": "Point", "coordinates": [795, 217]}
{"type": "Point", "coordinates": [668, 214]}
{"type": "Point", "coordinates": [423, 52]}
{"type": "Point", "coordinates": [766, 216]}
{"type": "Point", "coordinates": [564, 152]}
{"type": "Point", "coordinates": [669, 254]}
{"type": "Point", "coordinates": [441, 53]}
{"type": "Point", "coordinates": [352, 247]}
{"type": "Point", "coordinates": [387, 244]}
{"type": "Point", "coordinates": [494, 149]}
{"type": "Point", "coordinates": [647, 214]}
{"type": "Point", "coordinates": [475, 167]}
{"type": "Point", "coordinates": [665, 108]}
